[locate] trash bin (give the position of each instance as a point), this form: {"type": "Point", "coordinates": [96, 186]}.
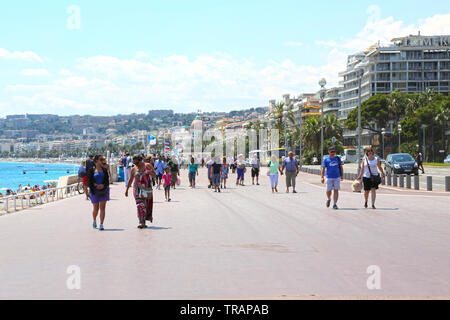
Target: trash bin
{"type": "Point", "coordinates": [121, 174]}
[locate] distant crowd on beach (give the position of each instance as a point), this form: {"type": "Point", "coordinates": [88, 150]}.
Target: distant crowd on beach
{"type": "Point", "coordinates": [28, 189]}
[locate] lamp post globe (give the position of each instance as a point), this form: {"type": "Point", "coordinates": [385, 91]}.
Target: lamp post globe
{"type": "Point", "coordinates": [322, 83]}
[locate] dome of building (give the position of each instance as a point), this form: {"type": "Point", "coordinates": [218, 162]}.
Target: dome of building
{"type": "Point", "coordinates": [197, 124]}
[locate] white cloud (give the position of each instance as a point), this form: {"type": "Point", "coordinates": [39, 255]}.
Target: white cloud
{"type": "Point", "coordinates": [17, 55]}
{"type": "Point", "coordinates": [293, 44]}
{"type": "Point", "coordinates": [109, 85]}
{"type": "Point", "coordinates": [378, 29]}
{"type": "Point", "coordinates": [142, 55]}
{"type": "Point", "coordinates": [65, 72]}
{"type": "Point", "coordinates": [385, 29]}
{"type": "Point", "coordinates": [35, 72]}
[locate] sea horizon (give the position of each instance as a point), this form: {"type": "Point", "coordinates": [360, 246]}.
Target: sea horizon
{"type": "Point", "coordinates": [36, 173]}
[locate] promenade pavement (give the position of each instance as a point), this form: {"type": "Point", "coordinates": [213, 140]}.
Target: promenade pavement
{"type": "Point", "coordinates": [244, 242]}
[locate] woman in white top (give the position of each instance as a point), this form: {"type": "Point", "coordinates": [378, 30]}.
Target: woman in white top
{"type": "Point", "coordinates": [371, 166]}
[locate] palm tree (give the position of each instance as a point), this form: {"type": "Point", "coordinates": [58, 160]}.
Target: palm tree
{"type": "Point", "coordinates": [332, 127]}
{"type": "Point", "coordinates": [311, 134]}
{"type": "Point", "coordinates": [396, 105]}
{"type": "Point", "coordinates": [277, 114]}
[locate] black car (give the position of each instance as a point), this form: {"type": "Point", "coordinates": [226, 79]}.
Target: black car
{"type": "Point", "coordinates": [401, 163]}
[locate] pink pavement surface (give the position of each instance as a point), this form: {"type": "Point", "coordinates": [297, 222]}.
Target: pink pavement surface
{"type": "Point", "coordinates": [244, 243]}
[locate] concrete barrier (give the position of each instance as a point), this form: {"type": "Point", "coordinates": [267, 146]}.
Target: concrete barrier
{"type": "Point", "coordinates": [389, 179]}
{"type": "Point", "coordinates": [429, 183]}
{"type": "Point", "coordinates": [408, 181]}
{"type": "Point", "coordinates": [416, 183]}
{"type": "Point", "coordinates": [447, 184]}
{"type": "Point", "coordinates": [402, 181]}
{"type": "Point", "coordinates": [394, 180]}
{"type": "Point", "coordinates": [67, 181]}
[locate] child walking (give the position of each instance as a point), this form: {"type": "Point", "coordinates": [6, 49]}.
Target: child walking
{"type": "Point", "coordinates": [224, 175]}
{"type": "Point", "coordinates": [167, 177]}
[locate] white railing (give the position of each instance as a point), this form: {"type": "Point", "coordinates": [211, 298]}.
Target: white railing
{"type": "Point", "coordinates": [22, 201]}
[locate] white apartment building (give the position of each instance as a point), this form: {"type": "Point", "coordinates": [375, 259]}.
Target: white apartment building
{"type": "Point", "coordinates": [331, 102]}
{"type": "Point", "coordinates": [410, 64]}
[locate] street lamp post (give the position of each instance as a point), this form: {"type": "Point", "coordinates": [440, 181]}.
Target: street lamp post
{"type": "Point", "coordinates": [285, 130]}
{"type": "Point", "coordinates": [299, 116]}
{"type": "Point", "coordinates": [383, 132]}
{"type": "Point", "coordinates": [360, 75]}
{"type": "Point", "coordinates": [424, 126]}
{"type": "Point", "coordinates": [399, 137]}
{"type": "Point", "coordinates": [287, 102]}
{"type": "Point", "coordinates": [322, 84]}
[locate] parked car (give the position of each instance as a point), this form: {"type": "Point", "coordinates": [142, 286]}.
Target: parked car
{"type": "Point", "coordinates": [376, 156]}
{"type": "Point", "coordinates": [401, 163]}
{"type": "Point", "coordinates": [380, 158]}
{"type": "Point", "coordinates": [447, 160]}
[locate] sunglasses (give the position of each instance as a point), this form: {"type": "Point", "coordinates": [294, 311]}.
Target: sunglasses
{"type": "Point", "coordinates": [332, 151]}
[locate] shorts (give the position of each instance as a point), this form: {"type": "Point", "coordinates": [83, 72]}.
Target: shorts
{"type": "Point", "coordinates": [255, 172]}
{"type": "Point", "coordinates": [85, 181]}
{"type": "Point", "coordinates": [369, 185]}
{"type": "Point", "coordinates": [167, 188]}
{"type": "Point", "coordinates": [216, 178]}
{"type": "Point", "coordinates": [333, 184]}
{"type": "Point", "coordinates": [192, 176]}
{"type": "Point", "coordinates": [240, 173]}
{"type": "Point", "coordinates": [159, 176]}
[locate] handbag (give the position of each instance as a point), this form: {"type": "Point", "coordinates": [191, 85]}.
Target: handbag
{"type": "Point", "coordinates": [145, 193]}
{"type": "Point", "coordinates": [144, 186]}
{"type": "Point", "coordinates": [375, 179]}
{"type": "Point", "coordinates": [102, 192]}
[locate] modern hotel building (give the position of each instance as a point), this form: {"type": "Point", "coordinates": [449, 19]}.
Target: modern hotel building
{"type": "Point", "coordinates": [409, 64]}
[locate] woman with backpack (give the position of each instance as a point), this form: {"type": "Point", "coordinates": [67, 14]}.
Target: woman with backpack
{"type": "Point", "coordinates": [370, 168]}
{"type": "Point", "coordinates": [141, 175]}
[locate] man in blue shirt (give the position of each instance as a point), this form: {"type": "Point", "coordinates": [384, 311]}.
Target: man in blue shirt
{"type": "Point", "coordinates": [335, 174]}
{"type": "Point", "coordinates": [291, 165]}
{"type": "Point", "coordinates": [159, 167]}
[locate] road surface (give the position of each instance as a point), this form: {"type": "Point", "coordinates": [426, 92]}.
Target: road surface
{"type": "Point", "coordinates": [242, 243]}
{"type": "Point", "coordinates": [438, 174]}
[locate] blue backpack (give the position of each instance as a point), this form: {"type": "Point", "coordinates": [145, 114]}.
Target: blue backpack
{"type": "Point", "coordinates": [82, 172]}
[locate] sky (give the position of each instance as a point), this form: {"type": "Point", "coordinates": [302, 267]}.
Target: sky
{"type": "Point", "coordinates": [108, 57]}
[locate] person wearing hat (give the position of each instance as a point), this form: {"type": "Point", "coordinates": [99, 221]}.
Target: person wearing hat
{"type": "Point", "coordinates": [332, 168]}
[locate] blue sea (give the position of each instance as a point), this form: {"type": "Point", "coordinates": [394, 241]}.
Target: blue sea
{"type": "Point", "coordinates": [12, 174]}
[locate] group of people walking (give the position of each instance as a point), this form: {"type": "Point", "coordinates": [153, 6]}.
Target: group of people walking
{"type": "Point", "coordinates": [149, 172]}
{"type": "Point", "coordinates": [332, 168]}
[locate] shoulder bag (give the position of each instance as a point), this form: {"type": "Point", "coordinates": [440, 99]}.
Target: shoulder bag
{"type": "Point", "coordinates": [376, 180]}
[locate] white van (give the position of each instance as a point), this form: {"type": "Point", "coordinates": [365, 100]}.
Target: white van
{"type": "Point", "coordinates": [350, 156]}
